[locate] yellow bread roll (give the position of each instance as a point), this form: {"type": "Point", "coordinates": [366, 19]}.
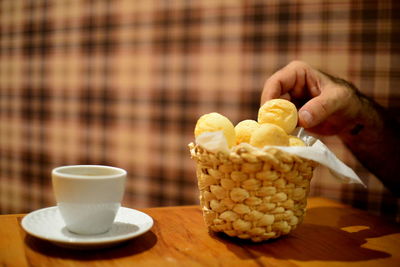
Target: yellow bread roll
{"type": "Point", "coordinates": [280, 112]}
{"type": "Point", "coordinates": [244, 129]}
{"type": "Point", "coordinates": [295, 141]}
{"type": "Point", "coordinates": [269, 135]}
{"type": "Point", "coordinates": [213, 122]}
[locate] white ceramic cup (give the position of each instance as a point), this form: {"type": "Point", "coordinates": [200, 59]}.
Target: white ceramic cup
{"type": "Point", "coordinates": [88, 196]}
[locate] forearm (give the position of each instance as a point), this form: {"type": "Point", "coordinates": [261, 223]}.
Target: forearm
{"type": "Point", "coordinates": [374, 139]}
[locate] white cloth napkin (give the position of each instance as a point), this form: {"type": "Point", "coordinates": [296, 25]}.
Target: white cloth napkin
{"type": "Point", "coordinates": [315, 150]}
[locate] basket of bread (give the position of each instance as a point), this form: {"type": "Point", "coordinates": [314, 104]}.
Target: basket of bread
{"type": "Point", "coordinates": [253, 190]}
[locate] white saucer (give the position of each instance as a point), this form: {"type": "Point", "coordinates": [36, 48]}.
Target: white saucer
{"type": "Point", "coordinates": [47, 224]}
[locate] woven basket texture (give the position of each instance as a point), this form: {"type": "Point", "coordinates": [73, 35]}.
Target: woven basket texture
{"type": "Point", "coordinates": [252, 193]}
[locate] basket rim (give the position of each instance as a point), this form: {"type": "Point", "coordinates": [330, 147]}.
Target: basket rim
{"type": "Point", "coordinates": [244, 148]}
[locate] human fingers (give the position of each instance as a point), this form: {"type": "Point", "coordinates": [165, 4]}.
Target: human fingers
{"type": "Point", "coordinates": [318, 109]}
{"type": "Point", "coordinates": [289, 82]}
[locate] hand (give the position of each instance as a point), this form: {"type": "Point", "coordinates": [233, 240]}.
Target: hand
{"type": "Point", "coordinates": [327, 105]}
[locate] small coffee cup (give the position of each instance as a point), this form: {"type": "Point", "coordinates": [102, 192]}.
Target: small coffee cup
{"type": "Point", "coordinates": [88, 196]}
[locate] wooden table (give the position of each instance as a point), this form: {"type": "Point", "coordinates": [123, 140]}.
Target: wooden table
{"type": "Point", "coordinates": [332, 234]}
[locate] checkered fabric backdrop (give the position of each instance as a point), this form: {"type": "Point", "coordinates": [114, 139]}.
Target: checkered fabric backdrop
{"type": "Point", "coordinates": [123, 82]}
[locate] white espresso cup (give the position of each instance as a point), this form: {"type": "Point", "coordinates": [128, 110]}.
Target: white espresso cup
{"type": "Point", "coordinates": [88, 196]}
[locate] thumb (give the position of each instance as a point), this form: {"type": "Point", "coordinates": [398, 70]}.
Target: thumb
{"type": "Point", "coordinates": [314, 112]}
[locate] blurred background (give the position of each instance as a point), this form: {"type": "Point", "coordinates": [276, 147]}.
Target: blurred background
{"type": "Point", "coordinates": [123, 82]}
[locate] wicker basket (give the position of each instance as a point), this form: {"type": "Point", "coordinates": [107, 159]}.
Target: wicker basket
{"type": "Point", "coordinates": [251, 193]}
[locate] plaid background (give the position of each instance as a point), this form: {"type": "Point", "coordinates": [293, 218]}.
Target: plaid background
{"type": "Point", "coordinates": [122, 83]}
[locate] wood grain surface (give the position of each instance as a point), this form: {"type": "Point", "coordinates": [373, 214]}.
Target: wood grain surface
{"type": "Point", "coordinates": [332, 234]}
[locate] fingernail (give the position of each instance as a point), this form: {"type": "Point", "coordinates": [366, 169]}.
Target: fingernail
{"type": "Point", "coordinates": [305, 117]}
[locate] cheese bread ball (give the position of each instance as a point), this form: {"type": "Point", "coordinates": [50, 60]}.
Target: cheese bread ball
{"type": "Point", "coordinates": [280, 112]}
{"type": "Point", "coordinates": [295, 141]}
{"type": "Point", "coordinates": [269, 134]}
{"type": "Point", "coordinates": [213, 122]}
{"type": "Point", "coordinates": [244, 129]}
